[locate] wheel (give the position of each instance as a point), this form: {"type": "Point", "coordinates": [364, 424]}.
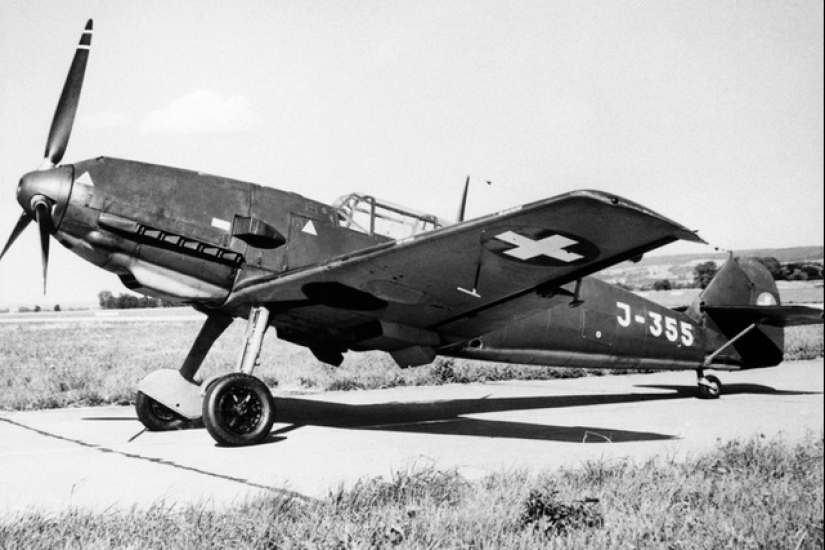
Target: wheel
{"type": "Point", "coordinates": [157, 417]}
{"type": "Point", "coordinates": [711, 389]}
{"type": "Point", "coordinates": [238, 409]}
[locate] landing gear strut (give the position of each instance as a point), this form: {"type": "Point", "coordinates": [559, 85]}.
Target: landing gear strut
{"type": "Point", "coordinates": [237, 409]}
{"type": "Point", "coordinates": [171, 399]}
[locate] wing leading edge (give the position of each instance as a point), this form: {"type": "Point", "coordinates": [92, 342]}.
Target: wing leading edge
{"type": "Point", "coordinates": [466, 279]}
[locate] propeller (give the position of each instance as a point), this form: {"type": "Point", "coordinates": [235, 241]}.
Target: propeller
{"type": "Point", "coordinates": [66, 109]}
{"type": "Point", "coordinates": [44, 193]}
{"type": "Point", "coordinates": [22, 223]}
{"type": "Point", "coordinates": [43, 215]}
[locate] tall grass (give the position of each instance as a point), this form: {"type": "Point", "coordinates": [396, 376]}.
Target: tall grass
{"type": "Point", "coordinates": [61, 364]}
{"type": "Point", "coordinates": [751, 494]}
{"type": "Point", "coordinates": [804, 342]}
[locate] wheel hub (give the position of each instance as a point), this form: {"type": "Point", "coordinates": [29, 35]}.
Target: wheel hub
{"type": "Point", "coordinates": [242, 410]}
{"type": "Point", "coordinates": [162, 412]}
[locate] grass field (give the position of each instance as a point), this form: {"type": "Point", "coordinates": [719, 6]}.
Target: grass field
{"type": "Point", "coordinates": [72, 364]}
{"type": "Point", "coordinates": [747, 494]}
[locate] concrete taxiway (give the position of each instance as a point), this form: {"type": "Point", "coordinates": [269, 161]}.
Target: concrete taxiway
{"type": "Point", "coordinates": [52, 460]}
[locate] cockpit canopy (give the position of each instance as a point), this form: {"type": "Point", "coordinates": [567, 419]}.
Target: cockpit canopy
{"type": "Point", "coordinates": [366, 214]}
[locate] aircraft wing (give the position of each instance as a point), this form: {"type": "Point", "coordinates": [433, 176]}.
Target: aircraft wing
{"type": "Point", "coordinates": [466, 279]}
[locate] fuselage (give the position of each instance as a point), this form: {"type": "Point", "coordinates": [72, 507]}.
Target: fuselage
{"type": "Point", "coordinates": [190, 237]}
{"type": "Point", "coordinates": [605, 327]}
{"type": "Point", "coordinates": [194, 238]}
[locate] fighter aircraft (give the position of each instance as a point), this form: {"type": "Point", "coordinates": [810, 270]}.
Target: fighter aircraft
{"type": "Point", "coordinates": [364, 274]}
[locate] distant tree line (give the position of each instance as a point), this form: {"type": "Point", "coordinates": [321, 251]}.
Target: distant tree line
{"type": "Point", "coordinates": [35, 309]}
{"type": "Point", "coordinates": [108, 300]}
{"type": "Point", "coordinates": [702, 274]}
{"type": "Point", "coordinates": [705, 271]}
{"type": "Point", "coordinates": [792, 271]}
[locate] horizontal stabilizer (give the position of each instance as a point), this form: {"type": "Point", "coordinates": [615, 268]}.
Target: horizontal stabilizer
{"type": "Point", "coordinates": [777, 316]}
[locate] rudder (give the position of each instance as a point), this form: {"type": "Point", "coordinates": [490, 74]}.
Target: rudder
{"type": "Point", "coordinates": [730, 304]}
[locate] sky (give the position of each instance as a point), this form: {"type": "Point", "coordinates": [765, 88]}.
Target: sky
{"type": "Point", "coordinates": [710, 113]}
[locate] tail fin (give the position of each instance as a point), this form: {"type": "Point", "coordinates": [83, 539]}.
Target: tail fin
{"type": "Point", "coordinates": [741, 305]}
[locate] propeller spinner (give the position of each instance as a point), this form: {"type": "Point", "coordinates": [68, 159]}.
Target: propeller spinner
{"type": "Point", "coordinates": [44, 193]}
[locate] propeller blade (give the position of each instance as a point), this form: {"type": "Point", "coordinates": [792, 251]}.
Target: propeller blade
{"type": "Point", "coordinates": [44, 222]}
{"type": "Point", "coordinates": [22, 223]}
{"type": "Point", "coordinates": [66, 109]}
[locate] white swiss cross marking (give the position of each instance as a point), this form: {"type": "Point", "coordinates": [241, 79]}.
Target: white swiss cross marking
{"type": "Point", "coordinates": [527, 249]}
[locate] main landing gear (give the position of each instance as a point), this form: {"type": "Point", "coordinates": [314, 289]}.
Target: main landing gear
{"type": "Point", "coordinates": [236, 409]}
{"type": "Point", "coordinates": [709, 386]}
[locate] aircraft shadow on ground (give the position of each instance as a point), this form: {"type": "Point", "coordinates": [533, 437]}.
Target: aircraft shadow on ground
{"type": "Point", "coordinates": [448, 417]}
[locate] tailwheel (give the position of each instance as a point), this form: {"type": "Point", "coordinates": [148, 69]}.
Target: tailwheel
{"type": "Point", "coordinates": [156, 417]}
{"type": "Point", "coordinates": [238, 409]}
{"type": "Point", "coordinates": [709, 387]}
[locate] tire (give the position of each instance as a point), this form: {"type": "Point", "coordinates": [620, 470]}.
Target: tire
{"type": "Point", "coordinates": [713, 391]}
{"type": "Point", "coordinates": [238, 409]}
{"type": "Point", "coordinates": [156, 417]}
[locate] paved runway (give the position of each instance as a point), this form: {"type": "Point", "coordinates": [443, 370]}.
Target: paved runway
{"type": "Point", "coordinates": [50, 460]}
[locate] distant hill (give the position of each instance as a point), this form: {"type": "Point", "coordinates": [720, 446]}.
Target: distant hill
{"type": "Point", "coordinates": [678, 268]}
{"type": "Point", "coordinates": [812, 254]}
